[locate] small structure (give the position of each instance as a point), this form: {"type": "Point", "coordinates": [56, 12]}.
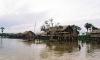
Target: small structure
{"type": "Point", "coordinates": [95, 33]}
{"type": "Point", "coordinates": [29, 35]}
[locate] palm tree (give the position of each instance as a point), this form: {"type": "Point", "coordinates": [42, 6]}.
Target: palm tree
{"type": "Point", "coordinates": [88, 25]}
{"type": "Point", "coordinates": [2, 30]}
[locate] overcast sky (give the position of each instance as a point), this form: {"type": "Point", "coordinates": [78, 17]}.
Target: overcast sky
{"type": "Point", "coordinates": [21, 15]}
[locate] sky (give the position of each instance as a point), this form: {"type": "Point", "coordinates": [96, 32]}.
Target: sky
{"type": "Point", "coordinates": [21, 15]}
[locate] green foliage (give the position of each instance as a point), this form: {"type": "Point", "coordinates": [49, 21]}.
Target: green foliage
{"type": "Point", "coordinates": [88, 25]}
{"type": "Point", "coordinates": [94, 28]}
{"type": "Point", "coordinates": [2, 29]}
{"type": "Point", "coordinates": [76, 28]}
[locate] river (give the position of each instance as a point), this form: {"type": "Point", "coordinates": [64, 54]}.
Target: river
{"type": "Point", "coordinates": [17, 49]}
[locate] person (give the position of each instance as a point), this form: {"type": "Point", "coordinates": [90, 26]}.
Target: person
{"type": "Point", "coordinates": [79, 47]}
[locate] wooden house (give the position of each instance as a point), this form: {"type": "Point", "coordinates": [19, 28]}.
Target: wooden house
{"type": "Point", "coordinates": [95, 33]}
{"type": "Point", "coordinates": [61, 32]}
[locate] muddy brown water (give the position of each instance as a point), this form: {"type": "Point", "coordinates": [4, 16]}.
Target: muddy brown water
{"type": "Point", "coordinates": [17, 49]}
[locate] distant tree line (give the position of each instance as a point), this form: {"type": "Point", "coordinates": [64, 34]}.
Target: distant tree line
{"type": "Point", "coordinates": [28, 35]}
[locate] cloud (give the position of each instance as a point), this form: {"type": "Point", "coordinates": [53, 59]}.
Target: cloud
{"type": "Point", "coordinates": [22, 22]}
{"type": "Point", "coordinates": [21, 28]}
{"type": "Point", "coordinates": [17, 13]}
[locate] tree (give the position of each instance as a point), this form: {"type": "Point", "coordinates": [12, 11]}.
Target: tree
{"type": "Point", "coordinates": [47, 25]}
{"type": "Point", "coordinates": [43, 28]}
{"type": "Point", "coordinates": [88, 25]}
{"type": "Point", "coordinates": [77, 28]}
{"type": "Point", "coordinates": [46, 22]}
{"type": "Point", "coordinates": [94, 28]}
{"type": "Point", "coordinates": [51, 21]}
{"type": "Point", "coordinates": [2, 29]}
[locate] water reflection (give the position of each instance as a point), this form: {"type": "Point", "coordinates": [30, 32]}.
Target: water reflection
{"type": "Point", "coordinates": [62, 47]}
{"type": "Point", "coordinates": [15, 49]}
{"type": "Point", "coordinates": [92, 46]}
{"type": "Point", "coordinates": [56, 46]}
{"type": "Point", "coordinates": [1, 42]}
